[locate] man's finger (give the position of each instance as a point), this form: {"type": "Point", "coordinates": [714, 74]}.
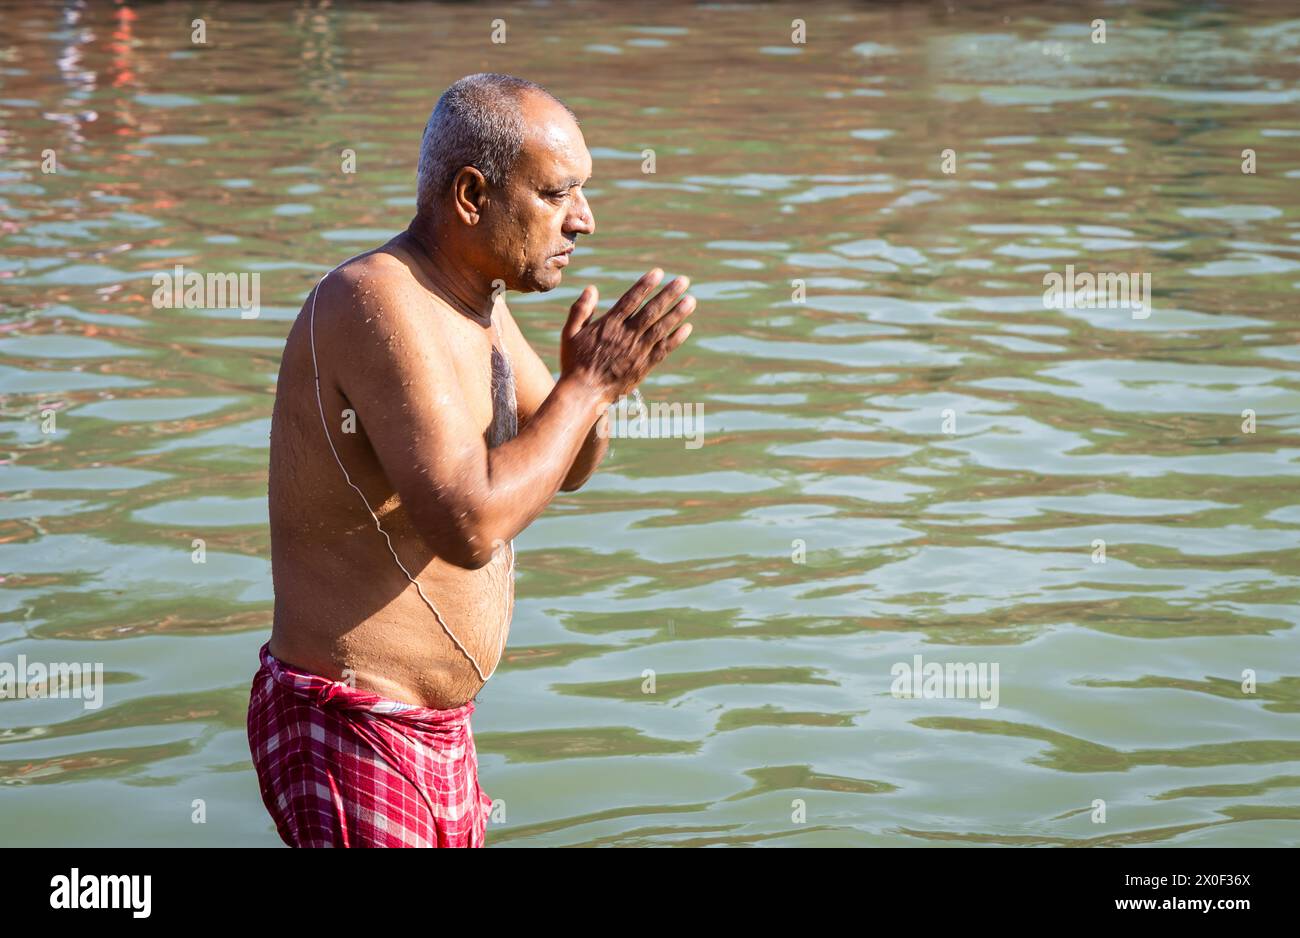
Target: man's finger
{"type": "Point", "coordinates": [581, 311]}
{"type": "Point", "coordinates": [660, 305]}
{"type": "Point", "coordinates": [665, 346]}
{"type": "Point", "coordinates": [629, 301]}
{"type": "Point", "coordinates": [670, 320]}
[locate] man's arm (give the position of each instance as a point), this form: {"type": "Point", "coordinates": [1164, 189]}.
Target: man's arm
{"type": "Point", "coordinates": [400, 378]}
{"type": "Point", "coordinates": [533, 384]}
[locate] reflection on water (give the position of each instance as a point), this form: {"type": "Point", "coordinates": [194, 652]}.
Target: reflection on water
{"type": "Point", "coordinates": [905, 452]}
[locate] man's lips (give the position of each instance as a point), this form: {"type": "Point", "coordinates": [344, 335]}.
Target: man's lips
{"type": "Point", "coordinates": [563, 257]}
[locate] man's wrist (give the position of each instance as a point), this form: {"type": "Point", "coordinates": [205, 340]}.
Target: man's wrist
{"type": "Point", "coordinates": [594, 398]}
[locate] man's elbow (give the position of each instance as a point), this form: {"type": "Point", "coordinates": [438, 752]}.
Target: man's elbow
{"type": "Point", "coordinates": [475, 548]}
{"type": "Point", "coordinates": [469, 544]}
{"type": "Point", "coordinates": [467, 555]}
{"type": "Point", "coordinates": [573, 482]}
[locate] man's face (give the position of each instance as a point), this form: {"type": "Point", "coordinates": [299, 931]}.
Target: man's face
{"type": "Point", "coordinates": [544, 208]}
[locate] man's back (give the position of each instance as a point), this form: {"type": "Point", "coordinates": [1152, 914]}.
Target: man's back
{"type": "Point", "coordinates": [341, 600]}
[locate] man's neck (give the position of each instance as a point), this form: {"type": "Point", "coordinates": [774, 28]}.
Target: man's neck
{"type": "Point", "coordinates": [452, 281]}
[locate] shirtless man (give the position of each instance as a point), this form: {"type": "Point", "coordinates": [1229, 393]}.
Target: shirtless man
{"type": "Point", "coordinates": [403, 465]}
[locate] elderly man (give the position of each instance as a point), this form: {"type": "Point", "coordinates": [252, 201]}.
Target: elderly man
{"type": "Point", "coordinates": [415, 433]}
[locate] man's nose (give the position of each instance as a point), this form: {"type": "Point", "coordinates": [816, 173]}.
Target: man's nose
{"type": "Point", "coordinates": [581, 220]}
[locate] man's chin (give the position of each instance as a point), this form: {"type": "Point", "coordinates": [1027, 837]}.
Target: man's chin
{"type": "Point", "coordinates": [541, 281]}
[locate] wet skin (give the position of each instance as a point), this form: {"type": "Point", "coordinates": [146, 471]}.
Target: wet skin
{"type": "Point", "coordinates": [403, 338]}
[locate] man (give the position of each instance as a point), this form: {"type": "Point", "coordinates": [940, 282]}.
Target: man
{"type": "Point", "coordinates": [415, 433]}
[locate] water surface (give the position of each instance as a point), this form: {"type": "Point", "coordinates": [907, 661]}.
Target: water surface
{"type": "Point", "coordinates": [971, 540]}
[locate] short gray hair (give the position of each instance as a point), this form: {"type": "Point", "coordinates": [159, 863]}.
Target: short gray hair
{"type": "Point", "coordinates": [478, 122]}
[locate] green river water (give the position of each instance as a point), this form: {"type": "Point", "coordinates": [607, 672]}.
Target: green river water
{"type": "Point", "coordinates": [905, 451]}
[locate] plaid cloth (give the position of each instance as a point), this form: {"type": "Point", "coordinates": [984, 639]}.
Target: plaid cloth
{"type": "Point", "coordinates": [340, 767]}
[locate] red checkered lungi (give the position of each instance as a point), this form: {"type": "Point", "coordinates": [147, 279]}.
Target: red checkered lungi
{"type": "Point", "coordinates": [340, 767]}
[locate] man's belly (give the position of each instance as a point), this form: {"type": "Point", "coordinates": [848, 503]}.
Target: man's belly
{"type": "Point", "coordinates": [365, 623]}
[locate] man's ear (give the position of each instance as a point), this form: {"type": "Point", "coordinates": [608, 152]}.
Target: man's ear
{"type": "Point", "coordinates": [468, 193]}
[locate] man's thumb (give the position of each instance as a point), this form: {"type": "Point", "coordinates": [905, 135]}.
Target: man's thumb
{"type": "Point", "coordinates": [581, 311]}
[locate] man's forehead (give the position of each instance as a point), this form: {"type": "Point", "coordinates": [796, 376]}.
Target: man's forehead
{"type": "Point", "coordinates": [553, 144]}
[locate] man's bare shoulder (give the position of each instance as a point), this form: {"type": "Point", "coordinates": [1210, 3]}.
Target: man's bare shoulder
{"type": "Point", "coordinates": [367, 302]}
{"type": "Point", "coordinates": [378, 280]}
